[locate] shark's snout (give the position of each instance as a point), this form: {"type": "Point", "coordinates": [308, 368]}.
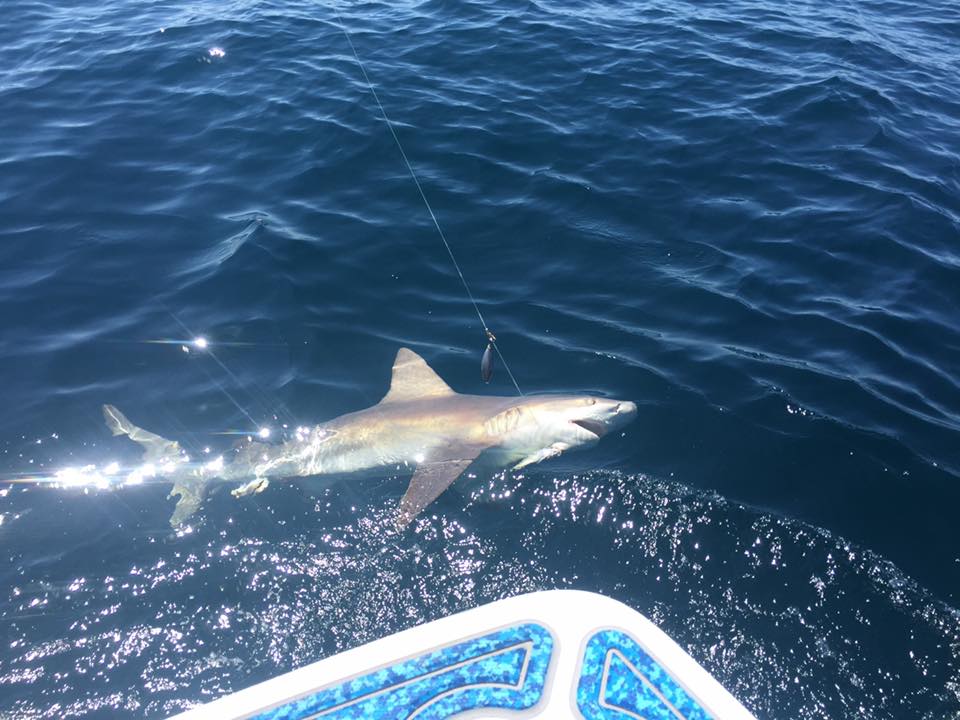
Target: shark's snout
{"type": "Point", "coordinates": [621, 413]}
{"type": "Point", "coordinates": [626, 410]}
{"type": "Point", "coordinates": [602, 416]}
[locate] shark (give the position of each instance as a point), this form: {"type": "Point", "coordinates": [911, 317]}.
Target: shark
{"type": "Point", "coordinates": [421, 423]}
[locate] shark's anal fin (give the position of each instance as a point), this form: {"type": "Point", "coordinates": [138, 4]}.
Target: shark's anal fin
{"type": "Point", "coordinates": [429, 480]}
{"type": "Point", "coordinates": [251, 487]}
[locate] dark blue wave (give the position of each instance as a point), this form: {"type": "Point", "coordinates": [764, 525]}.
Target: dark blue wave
{"type": "Point", "coordinates": [742, 215]}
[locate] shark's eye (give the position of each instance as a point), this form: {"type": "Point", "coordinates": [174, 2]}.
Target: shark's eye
{"type": "Point", "coordinates": [591, 401]}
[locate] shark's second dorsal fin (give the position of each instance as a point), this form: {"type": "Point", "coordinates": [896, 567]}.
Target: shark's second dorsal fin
{"type": "Point", "coordinates": [413, 379]}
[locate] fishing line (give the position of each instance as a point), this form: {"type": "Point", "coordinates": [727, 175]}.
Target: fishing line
{"type": "Point", "coordinates": [491, 340]}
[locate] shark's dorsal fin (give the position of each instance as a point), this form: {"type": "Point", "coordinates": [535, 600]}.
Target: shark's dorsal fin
{"type": "Point", "coordinates": [413, 379]}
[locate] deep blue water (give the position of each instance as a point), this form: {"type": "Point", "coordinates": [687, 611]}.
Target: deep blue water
{"type": "Point", "coordinates": [743, 215]}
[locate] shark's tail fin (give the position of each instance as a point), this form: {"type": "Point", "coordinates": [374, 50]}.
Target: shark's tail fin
{"type": "Point", "coordinates": [155, 448]}
{"type": "Point", "coordinates": [190, 488]}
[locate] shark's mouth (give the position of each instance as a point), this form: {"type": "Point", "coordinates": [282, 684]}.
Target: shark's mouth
{"type": "Point", "coordinates": [595, 427]}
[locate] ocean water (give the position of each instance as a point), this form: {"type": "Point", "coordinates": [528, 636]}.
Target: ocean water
{"type": "Point", "coordinates": [742, 215]}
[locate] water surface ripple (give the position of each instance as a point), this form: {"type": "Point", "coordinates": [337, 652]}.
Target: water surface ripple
{"type": "Point", "coordinates": [742, 215]}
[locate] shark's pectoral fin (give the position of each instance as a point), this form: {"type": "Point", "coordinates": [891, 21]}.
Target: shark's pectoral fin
{"type": "Point", "coordinates": [541, 455]}
{"type": "Point", "coordinates": [428, 481]}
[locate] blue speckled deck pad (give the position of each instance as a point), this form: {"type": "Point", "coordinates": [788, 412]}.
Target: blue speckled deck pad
{"type": "Point", "coordinates": [619, 680]}
{"type": "Point", "coordinates": [504, 669]}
